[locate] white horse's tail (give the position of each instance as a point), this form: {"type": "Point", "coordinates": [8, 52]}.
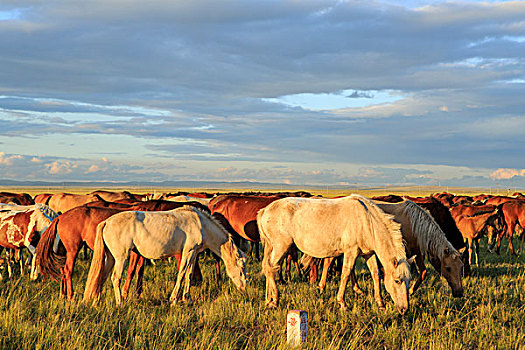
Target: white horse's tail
{"type": "Point", "coordinates": [95, 278]}
{"type": "Point", "coordinates": [267, 246]}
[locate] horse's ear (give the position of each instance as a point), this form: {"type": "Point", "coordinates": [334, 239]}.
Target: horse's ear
{"type": "Point", "coordinates": [447, 251]}
{"type": "Point", "coordinates": [395, 262]}
{"type": "Point", "coordinates": [412, 259]}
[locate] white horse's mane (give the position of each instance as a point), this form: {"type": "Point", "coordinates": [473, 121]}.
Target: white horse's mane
{"type": "Point", "coordinates": [214, 220]}
{"type": "Point", "coordinates": [431, 239]}
{"type": "Point", "coordinates": [388, 220]}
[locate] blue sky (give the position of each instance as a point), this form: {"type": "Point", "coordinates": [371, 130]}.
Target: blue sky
{"type": "Point", "coordinates": [300, 92]}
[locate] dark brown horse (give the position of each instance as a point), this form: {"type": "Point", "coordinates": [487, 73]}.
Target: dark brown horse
{"type": "Point", "coordinates": [238, 214]}
{"type": "Point", "coordinates": [17, 198]}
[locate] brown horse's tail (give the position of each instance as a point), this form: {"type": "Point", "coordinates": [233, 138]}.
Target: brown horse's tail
{"type": "Point", "coordinates": [48, 261]}
{"type": "Point", "coordinates": [95, 279]}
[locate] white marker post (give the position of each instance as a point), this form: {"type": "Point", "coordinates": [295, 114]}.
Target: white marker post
{"type": "Point", "coordinates": [296, 327]}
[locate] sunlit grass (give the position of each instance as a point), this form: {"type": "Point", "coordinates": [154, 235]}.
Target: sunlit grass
{"type": "Point", "coordinates": [491, 315]}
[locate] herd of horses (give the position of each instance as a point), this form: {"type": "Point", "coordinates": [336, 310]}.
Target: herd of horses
{"type": "Point", "coordinates": [390, 232]}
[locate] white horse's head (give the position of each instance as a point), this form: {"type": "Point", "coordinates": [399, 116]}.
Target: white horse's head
{"type": "Point", "coordinates": [397, 281]}
{"type": "Point", "coordinates": [235, 262]}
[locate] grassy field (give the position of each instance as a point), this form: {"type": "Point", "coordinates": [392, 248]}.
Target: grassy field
{"type": "Point", "coordinates": [490, 315]}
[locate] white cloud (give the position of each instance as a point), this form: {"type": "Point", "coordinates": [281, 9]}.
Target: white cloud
{"type": "Point", "coordinates": [504, 174]}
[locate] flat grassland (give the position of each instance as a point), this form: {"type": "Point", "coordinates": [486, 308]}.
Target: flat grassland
{"type": "Point", "coordinates": [490, 315]}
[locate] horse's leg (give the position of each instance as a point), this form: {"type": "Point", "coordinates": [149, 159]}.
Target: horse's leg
{"type": "Point", "coordinates": [257, 254]}
{"type": "Point", "coordinates": [470, 250]}
{"type": "Point", "coordinates": [186, 296]}
{"type": "Point", "coordinates": [183, 267]}
{"type": "Point", "coordinates": [326, 266]}
{"type": "Point", "coordinates": [313, 272]}
{"type": "Point", "coordinates": [140, 274]}
{"type": "Point", "coordinates": [348, 265]}
{"type": "Point", "coordinates": [509, 238]}
{"type": "Point", "coordinates": [273, 255]}
{"type": "Point", "coordinates": [420, 263]}
{"type": "Point", "coordinates": [120, 262]}
{"type": "Point", "coordinates": [67, 273]}
{"type": "Point", "coordinates": [355, 285]}
{"type": "Point", "coordinates": [9, 254]}
{"type": "Point", "coordinates": [217, 266]}
{"type": "Point", "coordinates": [371, 262]}
{"type": "Point", "coordinates": [132, 266]}
{"type": "Point", "coordinates": [476, 253]}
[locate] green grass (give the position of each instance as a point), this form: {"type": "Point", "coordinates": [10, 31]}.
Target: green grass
{"type": "Point", "coordinates": [491, 315]}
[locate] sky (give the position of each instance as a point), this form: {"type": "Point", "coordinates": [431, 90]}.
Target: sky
{"type": "Point", "coordinates": [366, 93]}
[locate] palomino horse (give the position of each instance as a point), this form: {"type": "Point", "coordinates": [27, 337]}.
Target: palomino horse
{"type": "Point", "coordinates": [423, 238]}
{"type": "Point", "coordinates": [157, 235]}
{"type": "Point", "coordinates": [77, 227]}
{"type": "Point", "coordinates": [322, 228]}
{"type": "Point", "coordinates": [21, 226]}
{"type": "Point", "coordinates": [513, 213]}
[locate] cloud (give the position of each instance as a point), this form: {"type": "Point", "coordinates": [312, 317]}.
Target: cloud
{"type": "Point", "coordinates": [192, 82]}
{"type": "Point", "coordinates": [506, 174]}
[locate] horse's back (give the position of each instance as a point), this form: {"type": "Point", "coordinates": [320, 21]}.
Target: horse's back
{"type": "Point", "coordinates": [319, 227]}
{"type": "Point", "coordinates": [155, 234]}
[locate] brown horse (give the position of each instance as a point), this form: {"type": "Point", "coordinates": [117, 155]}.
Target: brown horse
{"type": "Point", "coordinates": [43, 198]}
{"type": "Point", "coordinates": [238, 214]}
{"type": "Point", "coordinates": [513, 213]}
{"type": "Point", "coordinates": [113, 196]}
{"type": "Point", "coordinates": [62, 202]}
{"type": "Point", "coordinates": [474, 227]}
{"type": "Point", "coordinates": [17, 198]}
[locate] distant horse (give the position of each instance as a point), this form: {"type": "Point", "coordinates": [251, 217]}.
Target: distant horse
{"type": "Point", "coordinates": [321, 228]}
{"type": "Point", "coordinates": [17, 198]}
{"type": "Point", "coordinates": [513, 213]}
{"type": "Point", "coordinates": [157, 235]}
{"type": "Point", "coordinates": [62, 202]}
{"type": "Point", "coordinates": [113, 196]}
{"type": "Point", "coordinates": [474, 227]}
{"type": "Point", "coordinates": [22, 226]}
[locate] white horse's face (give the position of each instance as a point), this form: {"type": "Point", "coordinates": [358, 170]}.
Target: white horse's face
{"type": "Point", "coordinates": [451, 267]}
{"type": "Point", "coordinates": [237, 273]}
{"type": "Point", "coordinates": [397, 284]}
{"type": "Point", "coordinates": [235, 262]}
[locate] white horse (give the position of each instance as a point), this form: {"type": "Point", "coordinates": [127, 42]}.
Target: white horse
{"type": "Point", "coordinates": [322, 228]}
{"type": "Point", "coordinates": [157, 235]}
{"type": "Point", "coordinates": [21, 226]}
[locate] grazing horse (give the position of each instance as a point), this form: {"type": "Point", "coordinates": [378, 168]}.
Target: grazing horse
{"type": "Point", "coordinates": [155, 235]}
{"type": "Point", "coordinates": [513, 213]}
{"type": "Point", "coordinates": [322, 228]}
{"type": "Point", "coordinates": [62, 202]}
{"type": "Point", "coordinates": [425, 239]}
{"type": "Point", "coordinates": [21, 226]}
{"type": "Point", "coordinates": [473, 227]}
{"type": "Point", "coordinates": [444, 219]}
{"type": "Point", "coordinates": [77, 227]}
